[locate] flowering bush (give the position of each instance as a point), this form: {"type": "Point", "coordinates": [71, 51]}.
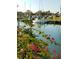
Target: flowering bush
{"type": "Point", "coordinates": [29, 47]}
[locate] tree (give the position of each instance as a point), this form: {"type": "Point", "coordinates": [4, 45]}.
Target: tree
{"type": "Point", "coordinates": [57, 14]}
{"type": "Point", "coordinates": [20, 15]}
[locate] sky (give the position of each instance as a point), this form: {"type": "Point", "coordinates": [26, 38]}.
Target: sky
{"type": "Point", "coordinates": [35, 5]}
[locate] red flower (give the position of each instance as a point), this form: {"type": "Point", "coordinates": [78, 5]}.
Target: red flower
{"type": "Point", "coordinates": [34, 47]}
{"type": "Point", "coordinates": [59, 56]}
{"type": "Point", "coordinates": [54, 58]}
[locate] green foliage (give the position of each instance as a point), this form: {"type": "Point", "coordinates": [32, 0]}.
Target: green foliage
{"type": "Point", "coordinates": [25, 39]}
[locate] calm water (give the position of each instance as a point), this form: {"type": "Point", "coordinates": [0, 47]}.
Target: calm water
{"type": "Point", "coordinates": [52, 30]}
{"type": "Point", "coordinates": [49, 29]}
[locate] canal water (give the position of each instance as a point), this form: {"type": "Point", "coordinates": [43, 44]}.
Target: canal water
{"type": "Point", "coordinates": [52, 30]}
{"type": "Point", "coordinates": [48, 29]}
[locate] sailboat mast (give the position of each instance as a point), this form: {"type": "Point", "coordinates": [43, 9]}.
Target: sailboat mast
{"type": "Point", "coordinates": [39, 4]}
{"type": "Point", "coordinates": [25, 4]}
{"type": "Point", "coordinates": [30, 5]}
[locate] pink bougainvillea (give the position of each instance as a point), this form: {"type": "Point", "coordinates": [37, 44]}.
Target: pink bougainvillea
{"type": "Point", "coordinates": [52, 39]}
{"type": "Point", "coordinates": [59, 56]}
{"type": "Point", "coordinates": [34, 47]}
{"type": "Point", "coordinates": [54, 58]}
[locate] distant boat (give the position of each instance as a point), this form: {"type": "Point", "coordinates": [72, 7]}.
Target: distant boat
{"type": "Point", "coordinates": [36, 20]}
{"type": "Point", "coordinates": [40, 21]}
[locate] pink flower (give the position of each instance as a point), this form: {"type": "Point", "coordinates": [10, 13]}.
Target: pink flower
{"type": "Point", "coordinates": [54, 50]}
{"type": "Point", "coordinates": [46, 48]}
{"type": "Point", "coordinates": [52, 40]}
{"type": "Point", "coordinates": [59, 55]}
{"type": "Point", "coordinates": [34, 48]}
{"type": "Point", "coordinates": [54, 58]}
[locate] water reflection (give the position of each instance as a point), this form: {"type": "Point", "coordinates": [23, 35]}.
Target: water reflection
{"type": "Point", "coordinates": [52, 30]}
{"type": "Point", "coordinates": [48, 29]}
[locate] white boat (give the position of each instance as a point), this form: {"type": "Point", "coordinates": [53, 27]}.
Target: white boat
{"type": "Point", "coordinates": [36, 20]}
